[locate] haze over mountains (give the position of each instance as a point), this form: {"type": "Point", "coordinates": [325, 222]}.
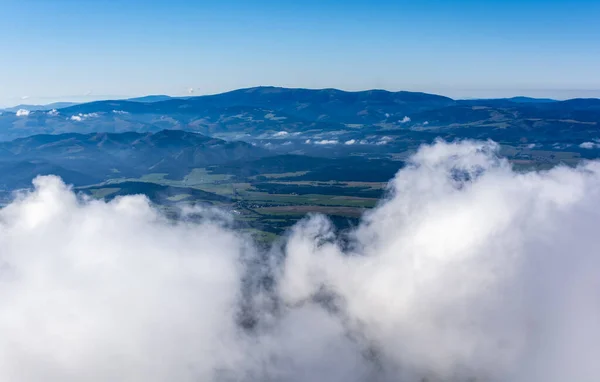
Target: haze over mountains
{"type": "Point", "coordinates": [264, 110]}
{"type": "Point", "coordinates": [94, 142]}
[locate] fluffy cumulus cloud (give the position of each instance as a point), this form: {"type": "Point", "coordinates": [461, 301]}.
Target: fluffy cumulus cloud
{"type": "Point", "coordinates": [53, 113]}
{"type": "Point", "coordinates": [467, 271]}
{"type": "Point", "coordinates": [23, 113]}
{"type": "Point", "coordinates": [111, 291]}
{"type": "Point", "coordinates": [589, 145]}
{"type": "Point", "coordinates": [350, 142]}
{"type": "Point", "coordinates": [281, 134]}
{"type": "Point", "coordinates": [405, 119]}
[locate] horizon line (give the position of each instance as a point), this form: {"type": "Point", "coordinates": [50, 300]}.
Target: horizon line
{"type": "Point", "coordinates": [87, 98]}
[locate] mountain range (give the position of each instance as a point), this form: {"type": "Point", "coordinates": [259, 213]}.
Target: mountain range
{"type": "Point", "coordinates": [91, 158]}
{"type": "Point", "coordinates": [257, 113]}
{"type": "Point", "coordinates": [333, 134]}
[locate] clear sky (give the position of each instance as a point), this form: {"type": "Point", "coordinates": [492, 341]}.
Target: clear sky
{"type": "Point", "coordinates": [84, 49]}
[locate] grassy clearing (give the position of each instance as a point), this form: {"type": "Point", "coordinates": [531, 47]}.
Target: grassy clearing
{"type": "Point", "coordinates": [352, 212]}
{"type": "Point", "coordinates": [200, 176]}
{"type": "Point", "coordinates": [104, 192]}
{"type": "Point", "coordinates": [225, 189]}
{"type": "Point", "coordinates": [281, 175]}
{"type": "Point", "coordinates": [310, 199]}
{"type": "Point", "coordinates": [367, 185]}
{"type": "Point", "coordinates": [196, 177]}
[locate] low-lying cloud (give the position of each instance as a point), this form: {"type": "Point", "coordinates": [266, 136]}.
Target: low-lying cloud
{"type": "Point", "coordinates": [326, 142]}
{"type": "Point", "coordinates": [23, 113]}
{"type": "Point", "coordinates": [82, 117]}
{"type": "Point", "coordinates": [467, 271]}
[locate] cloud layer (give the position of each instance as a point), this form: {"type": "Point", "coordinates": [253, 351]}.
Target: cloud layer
{"type": "Point", "coordinates": [467, 270]}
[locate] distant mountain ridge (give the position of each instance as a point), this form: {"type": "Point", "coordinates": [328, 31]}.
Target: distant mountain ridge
{"type": "Point", "coordinates": [47, 107]}
{"type": "Point", "coordinates": [262, 112]}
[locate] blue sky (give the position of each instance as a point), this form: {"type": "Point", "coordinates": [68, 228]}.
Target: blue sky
{"type": "Point", "coordinates": [87, 49]}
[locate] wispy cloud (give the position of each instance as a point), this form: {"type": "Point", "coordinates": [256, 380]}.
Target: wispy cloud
{"type": "Point", "coordinates": [81, 117]}
{"type": "Point", "coordinates": [327, 142]}
{"type": "Point", "coordinates": [384, 141]}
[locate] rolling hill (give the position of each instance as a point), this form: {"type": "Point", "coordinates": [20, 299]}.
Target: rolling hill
{"type": "Point", "coordinates": [85, 158]}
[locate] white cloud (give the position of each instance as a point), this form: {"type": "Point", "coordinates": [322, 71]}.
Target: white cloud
{"type": "Point", "coordinates": [531, 146]}
{"type": "Point", "coordinates": [110, 292]}
{"type": "Point", "coordinates": [589, 145]}
{"type": "Point", "coordinates": [25, 98]}
{"type": "Point", "coordinates": [121, 112]}
{"type": "Point", "coordinates": [23, 113]}
{"type": "Point", "coordinates": [350, 142]}
{"type": "Point", "coordinates": [447, 270]}
{"type": "Point", "coordinates": [307, 141]}
{"type": "Point", "coordinates": [425, 123]}
{"type": "Point", "coordinates": [384, 141]}
{"type": "Point", "coordinates": [326, 142]}
{"type": "Point", "coordinates": [405, 120]}
{"type": "Point", "coordinates": [469, 271]}
{"type": "Point", "coordinates": [81, 117]}
{"type": "Point", "coordinates": [288, 143]}
{"type": "Point", "coordinates": [281, 134]}
{"type": "Point", "coordinates": [53, 113]}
